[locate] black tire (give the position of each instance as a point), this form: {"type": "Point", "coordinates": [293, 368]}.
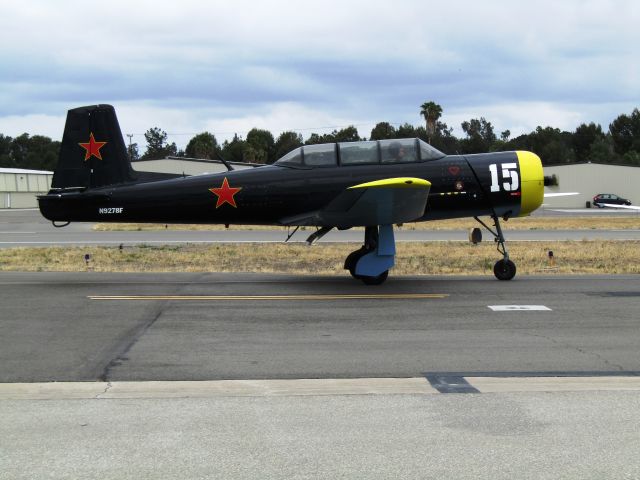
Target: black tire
{"type": "Point", "coordinates": [374, 280]}
{"type": "Point", "coordinates": [504, 269]}
{"type": "Point", "coordinates": [352, 260]}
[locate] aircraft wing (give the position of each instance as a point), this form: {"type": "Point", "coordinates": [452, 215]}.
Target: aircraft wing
{"type": "Point", "coordinates": [613, 205]}
{"type": "Point", "coordinates": [380, 202]}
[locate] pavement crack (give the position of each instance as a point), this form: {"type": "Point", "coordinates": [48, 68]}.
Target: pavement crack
{"type": "Point", "coordinates": [132, 340]}
{"type": "Point", "coordinates": [106, 389]}
{"type": "Point", "coordinates": [132, 337]}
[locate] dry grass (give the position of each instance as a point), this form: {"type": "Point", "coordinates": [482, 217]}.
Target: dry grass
{"type": "Point", "coordinates": [630, 222]}
{"type": "Point", "coordinates": [441, 258]}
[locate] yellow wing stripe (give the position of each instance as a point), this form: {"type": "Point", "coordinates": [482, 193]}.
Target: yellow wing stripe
{"type": "Point", "coordinates": [399, 182]}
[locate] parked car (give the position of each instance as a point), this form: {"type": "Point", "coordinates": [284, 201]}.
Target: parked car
{"type": "Point", "coordinates": [602, 198]}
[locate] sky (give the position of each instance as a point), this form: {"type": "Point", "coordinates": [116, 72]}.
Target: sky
{"type": "Point", "coordinates": [311, 66]}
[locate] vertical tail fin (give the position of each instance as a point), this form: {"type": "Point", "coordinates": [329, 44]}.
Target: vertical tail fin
{"type": "Point", "coordinates": [93, 153]}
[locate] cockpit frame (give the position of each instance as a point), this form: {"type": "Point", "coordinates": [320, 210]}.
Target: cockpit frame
{"type": "Point", "coordinates": [349, 154]}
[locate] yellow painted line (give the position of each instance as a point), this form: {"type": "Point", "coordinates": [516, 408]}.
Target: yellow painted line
{"type": "Point", "coordinates": [389, 296]}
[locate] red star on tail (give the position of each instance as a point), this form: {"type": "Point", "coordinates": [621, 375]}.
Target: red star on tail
{"type": "Point", "coordinates": [225, 194]}
{"type": "Point", "coordinates": [92, 148]}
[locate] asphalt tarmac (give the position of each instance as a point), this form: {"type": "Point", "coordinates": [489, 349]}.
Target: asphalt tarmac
{"type": "Point", "coordinates": [279, 376]}
{"type": "Point", "coordinates": [115, 327]}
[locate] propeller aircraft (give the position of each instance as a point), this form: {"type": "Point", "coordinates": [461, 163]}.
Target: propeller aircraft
{"type": "Point", "coordinates": [370, 184]}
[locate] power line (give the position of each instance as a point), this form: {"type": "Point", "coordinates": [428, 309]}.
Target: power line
{"type": "Point", "coordinates": [306, 129]}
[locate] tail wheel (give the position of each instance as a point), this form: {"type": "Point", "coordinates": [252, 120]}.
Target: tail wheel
{"type": "Point", "coordinates": [504, 269]}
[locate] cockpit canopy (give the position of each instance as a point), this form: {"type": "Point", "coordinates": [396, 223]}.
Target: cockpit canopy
{"type": "Point", "coordinates": [402, 150]}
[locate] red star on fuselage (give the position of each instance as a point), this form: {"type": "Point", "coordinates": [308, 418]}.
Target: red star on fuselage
{"type": "Point", "coordinates": [92, 148]}
{"type": "Point", "coordinates": [225, 194]}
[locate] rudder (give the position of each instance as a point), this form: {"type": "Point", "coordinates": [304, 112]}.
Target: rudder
{"type": "Point", "coordinates": [93, 153]}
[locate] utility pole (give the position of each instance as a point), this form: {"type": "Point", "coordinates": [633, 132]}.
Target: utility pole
{"type": "Point", "coordinates": [130, 135]}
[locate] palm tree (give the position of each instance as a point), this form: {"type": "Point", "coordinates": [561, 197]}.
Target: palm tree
{"type": "Point", "coordinates": [431, 112]}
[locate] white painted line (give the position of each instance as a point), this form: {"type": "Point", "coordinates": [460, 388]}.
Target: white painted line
{"type": "Point", "coordinates": [517, 308]}
{"type": "Point", "coordinates": [215, 388]}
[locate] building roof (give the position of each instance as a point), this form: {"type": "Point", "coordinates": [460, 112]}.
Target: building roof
{"type": "Point", "coordinates": [24, 170]}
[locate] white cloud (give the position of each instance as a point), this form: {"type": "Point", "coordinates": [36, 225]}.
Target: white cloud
{"type": "Point", "coordinates": [276, 118]}
{"type": "Point", "coordinates": [50, 126]}
{"type": "Point", "coordinates": [191, 65]}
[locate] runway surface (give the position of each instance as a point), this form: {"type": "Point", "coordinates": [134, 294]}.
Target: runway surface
{"type": "Point", "coordinates": [29, 228]}
{"type": "Point", "coordinates": [269, 376]}
{"type": "Point", "coordinates": [115, 327]}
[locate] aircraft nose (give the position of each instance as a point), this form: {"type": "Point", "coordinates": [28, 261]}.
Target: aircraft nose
{"type": "Point", "coordinates": [532, 178]}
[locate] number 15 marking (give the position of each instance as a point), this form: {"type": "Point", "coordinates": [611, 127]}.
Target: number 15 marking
{"type": "Point", "coordinates": [509, 173]}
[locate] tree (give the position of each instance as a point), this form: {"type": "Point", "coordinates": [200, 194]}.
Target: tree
{"type": "Point", "coordinates": [406, 130]}
{"type": "Point", "coordinates": [157, 146]}
{"type": "Point", "coordinates": [480, 136]}
{"type": "Point", "coordinates": [431, 112]}
{"type": "Point", "coordinates": [286, 142]}
{"type": "Point", "coordinates": [5, 152]}
{"type": "Point", "coordinates": [444, 139]}
{"type": "Point", "coordinates": [36, 152]}
{"type": "Point", "coordinates": [632, 158]}
{"type": "Point", "coordinates": [20, 150]}
{"type": "Point", "coordinates": [203, 145]}
{"type": "Point", "coordinates": [551, 144]}
{"type": "Point", "coordinates": [260, 146]}
{"type": "Point", "coordinates": [583, 139]}
{"type": "Point", "coordinates": [383, 131]}
{"type": "Point", "coordinates": [43, 153]}
{"type": "Point", "coordinates": [316, 138]}
{"type": "Point", "coordinates": [625, 132]}
{"type": "Point", "coordinates": [233, 151]}
{"type": "Point", "coordinates": [601, 150]}
{"type": "Point", "coordinates": [348, 134]}
{"type": "Point", "coordinates": [132, 151]}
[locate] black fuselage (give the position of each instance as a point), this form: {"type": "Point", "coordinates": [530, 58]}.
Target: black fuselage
{"type": "Point", "coordinates": [278, 195]}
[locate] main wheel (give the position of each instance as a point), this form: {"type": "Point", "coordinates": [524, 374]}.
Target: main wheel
{"type": "Point", "coordinates": [504, 269]}
{"type": "Point", "coordinates": [374, 280]}
{"type": "Point", "coordinates": [352, 260]}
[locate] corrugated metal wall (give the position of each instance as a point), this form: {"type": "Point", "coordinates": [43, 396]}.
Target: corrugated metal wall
{"type": "Point", "coordinates": [590, 179]}
{"type": "Point", "coordinates": [19, 190]}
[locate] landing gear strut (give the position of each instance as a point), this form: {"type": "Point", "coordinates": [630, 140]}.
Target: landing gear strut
{"type": "Point", "coordinates": [504, 269]}
{"type": "Point", "coordinates": [371, 262]}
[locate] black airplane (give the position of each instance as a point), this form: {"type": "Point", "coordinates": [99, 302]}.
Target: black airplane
{"type": "Point", "coordinates": [371, 184]}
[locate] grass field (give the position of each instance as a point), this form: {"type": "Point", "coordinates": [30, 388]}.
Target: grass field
{"type": "Point", "coordinates": [527, 223]}
{"type": "Point", "coordinates": [441, 258]}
